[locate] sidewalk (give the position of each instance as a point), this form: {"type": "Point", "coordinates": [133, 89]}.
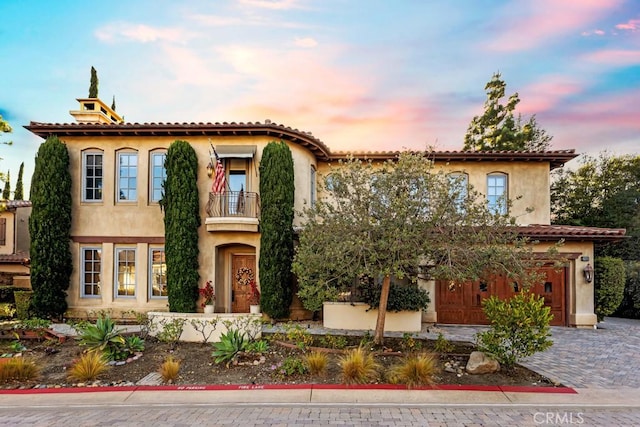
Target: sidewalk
{"type": "Point", "coordinates": [176, 395]}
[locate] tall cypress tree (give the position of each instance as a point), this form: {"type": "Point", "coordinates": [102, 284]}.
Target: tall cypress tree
{"type": "Point", "coordinates": [93, 86]}
{"type": "Point", "coordinates": [181, 222]}
{"type": "Point", "coordinates": [19, 193]}
{"type": "Point", "coordinates": [276, 227]}
{"type": "Point", "coordinates": [50, 229]}
{"type": "Point", "coordinates": [6, 193]}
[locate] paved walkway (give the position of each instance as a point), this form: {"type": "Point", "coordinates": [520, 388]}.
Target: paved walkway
{"type": "Point", "coordinates": [605, 358]}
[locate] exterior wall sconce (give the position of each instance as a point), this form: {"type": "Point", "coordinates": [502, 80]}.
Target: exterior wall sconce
{"type": "Point", "coordinates": [210, 169]}
{"type": "Point", "coordinates": [588, 273]}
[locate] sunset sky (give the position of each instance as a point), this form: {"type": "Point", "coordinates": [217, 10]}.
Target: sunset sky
{"type": "Point", "coordinates": [359, 74]}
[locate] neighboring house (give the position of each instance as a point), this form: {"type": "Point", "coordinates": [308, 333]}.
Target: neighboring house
{"type": "Point", "coordinates": [14, 242]}
{"type": "Point", "coordinates": [118, 234]}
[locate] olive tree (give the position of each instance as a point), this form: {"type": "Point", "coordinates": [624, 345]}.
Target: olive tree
{"type": "Point", "coordinates": [384, 220]}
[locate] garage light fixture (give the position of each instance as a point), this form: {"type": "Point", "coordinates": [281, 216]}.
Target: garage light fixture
{"type": "Point", "coordinates": [588, 273]}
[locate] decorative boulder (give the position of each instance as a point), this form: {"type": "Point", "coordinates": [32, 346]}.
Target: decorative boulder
{"type": "Point", "coordinates": [480, 363]}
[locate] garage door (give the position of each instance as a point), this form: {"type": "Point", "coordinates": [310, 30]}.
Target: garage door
{"type": "Point", "coordinates": [462, 303]}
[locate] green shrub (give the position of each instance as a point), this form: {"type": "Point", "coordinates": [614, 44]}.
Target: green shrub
{"type": "Point", "coordinates": [609, 282]}
{"type": "Point", "coordinates": [442, 345]}
{"type": "Point", "coordinates": [334, 341]}
{"type": "Point", "coordinates": [171, 330]}
{"type": "Point", "coordinates": [519, 328]}
{"type": "Point", "coordinates": [7, 310]}
{"type": "Point", "coordinates": [23, 303]}
{"type": "Point", "coordinates": [409, 342]}
{"type": "Point", "coordinates": [630, 306]}
{"type": "Point", "coordinates": [401, 297]}
{"type": "Point", "coordinates": [290, 366]}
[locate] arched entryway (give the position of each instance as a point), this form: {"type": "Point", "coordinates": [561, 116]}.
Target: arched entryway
{"type": "Point", "coordinates": [235, 269]}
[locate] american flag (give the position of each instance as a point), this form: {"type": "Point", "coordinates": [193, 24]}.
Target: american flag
{"type": "Point", "coordinates": [219, 179]}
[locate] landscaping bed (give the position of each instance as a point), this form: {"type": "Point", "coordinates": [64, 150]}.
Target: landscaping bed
{"type": "Point", "coordinates": [197, 366]}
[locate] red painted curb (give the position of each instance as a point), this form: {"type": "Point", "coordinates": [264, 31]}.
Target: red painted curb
{"type": "Point", "coordinates": [245, 387]}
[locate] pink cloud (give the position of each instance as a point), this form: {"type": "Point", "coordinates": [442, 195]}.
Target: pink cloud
{"type": "Point", "coordinates": [545, 95]}
{"type": "Point", "coordinates": [272, 4]}
{"type": "Point", "coordinates": [125, 31]}
{"type": "Point", "coordinates": [614, 57]}
{"type": "Point", "coordinates": [630, 25]}
{"type": "Point", "coordinates": [546, 19]}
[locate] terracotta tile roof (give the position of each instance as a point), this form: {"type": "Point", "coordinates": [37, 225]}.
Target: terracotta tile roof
{"type": "Point", "coordinates": [268, 128]}
{"type": "Point", "coordinates": [19, 258]}
{"type": "Point", "coordinates": [13, 204]}
{"type": "Point", "coordinates": [556, 158]}
{"type": "Point", "coordinates": [571, 232]}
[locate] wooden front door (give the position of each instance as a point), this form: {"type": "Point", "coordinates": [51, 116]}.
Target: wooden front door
{"type": "Point", "coordinates": [243, 268]}
{"type": "Point", "coordinates": [462, 303]}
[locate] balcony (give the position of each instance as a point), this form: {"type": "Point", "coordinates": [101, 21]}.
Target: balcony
{"type": "Point", "coordinates": [233, 211]}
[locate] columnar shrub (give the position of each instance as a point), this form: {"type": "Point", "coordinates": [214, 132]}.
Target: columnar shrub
{"type": "Point", "coordinates": [50, 227]}
{"type": "Point", "coordinates": [276, 228]}
{"type": "Point", "coordinates": [519, 328]}
{"type": "Point", "coordinates": [181, 222]}
{"type": "Point", "coordinates": [609, 281]}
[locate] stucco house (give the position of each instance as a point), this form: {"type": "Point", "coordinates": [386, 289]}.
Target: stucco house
{"type": "Point", "coordinates": [118, 232]}
{"type": "Point", "coordinates": [14, 242]}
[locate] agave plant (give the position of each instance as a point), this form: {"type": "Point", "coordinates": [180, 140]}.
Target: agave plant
{"type": "Point", "coordinates": [231, 343]}
{"type": "Point", "coordinates": [103, 337]}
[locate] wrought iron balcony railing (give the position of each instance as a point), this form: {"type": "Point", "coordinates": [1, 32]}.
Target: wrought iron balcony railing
{"type": "Point", "coordinates": [234, 204]}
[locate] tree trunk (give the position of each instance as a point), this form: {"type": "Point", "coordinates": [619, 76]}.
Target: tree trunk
{"type": "Point", "coordinates": [382, 310]}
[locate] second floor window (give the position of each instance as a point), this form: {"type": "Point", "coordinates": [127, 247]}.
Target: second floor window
{"type": "Point", "coordinates": [127, 177]}
{"type": "Point", "coordinates": [92, 177]}
{"type": "Point", "coordinates": [459, 188]}
{"type": "Point", "coordinates": [312, 196]}
{"type": "Point", "coordinates": [497, 192]}
{"type": "Point", "coordinates": [158, 176]}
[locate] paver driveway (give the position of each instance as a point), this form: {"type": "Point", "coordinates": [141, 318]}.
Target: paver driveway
{"type": "Point", "coordinates": [607, 357]}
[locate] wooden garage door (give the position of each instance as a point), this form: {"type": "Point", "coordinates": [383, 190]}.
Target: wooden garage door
{"type": "Point", "coordinates": [462, 303]}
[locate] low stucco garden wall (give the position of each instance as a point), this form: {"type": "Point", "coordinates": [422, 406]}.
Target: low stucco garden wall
{"type": "Point", "coordinates": [354, 316]}
{"type": "Point", "coordinates": [212, 325]}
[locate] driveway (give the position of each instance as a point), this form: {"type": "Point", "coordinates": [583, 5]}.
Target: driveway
{"type": "Point", "coordinates": [607, 357]}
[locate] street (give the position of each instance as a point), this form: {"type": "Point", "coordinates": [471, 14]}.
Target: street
{"type": "Point", "coordinates": [160, 415]}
